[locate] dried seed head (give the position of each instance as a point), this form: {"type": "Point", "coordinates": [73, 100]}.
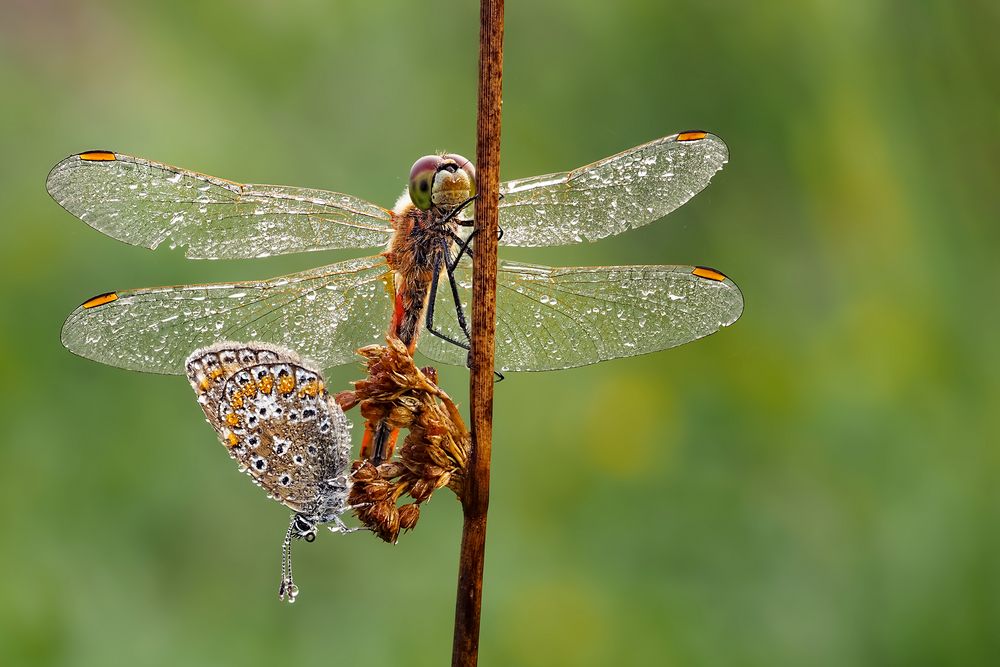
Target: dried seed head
{"type": "Point", "coordinates": [374, 412]}
{"type": "Point", "coordinates": [434, 453]}
{"type": "Point", "coordinates": [346, 400]}
{"type": "Point", "coordinates": [364, 471]}
{"type": "Point", "coordinates": [408, 516]}
{"type": "Point", "coordinates": [421, 490]}
{"type": "Point", "coordinates": [391, 469]}
{"type": "Point", "coordinates": [400, 416]}
{"type": "Point", "coordinates": [388, 528]}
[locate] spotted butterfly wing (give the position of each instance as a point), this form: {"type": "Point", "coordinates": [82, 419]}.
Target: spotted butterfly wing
{"type": "Point", "coordinates": [272, 412]}
{"type": "Point", "coordinates": [277, 420]}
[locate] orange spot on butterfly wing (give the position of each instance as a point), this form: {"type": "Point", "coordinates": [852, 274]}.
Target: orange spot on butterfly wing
{"type": "Point", "coordinates": [311, 388]}
{"type": "Point", "coordinates": [286, 384]}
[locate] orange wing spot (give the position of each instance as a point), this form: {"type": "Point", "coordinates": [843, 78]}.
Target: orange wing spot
{"type": "Point", "coordinates": [204, 385]}
{"type": "Point", "coordinates": [711, 274]}
{"type": "Point", "coordinates": [250, 390]}
{"type": "Point", "coordinates": [286, 384]}
{"type": "Point", "coordinates": [691, 135]}
{"type": "Point", "coordinates": [236, 401]}
{"type": "Point", "coordinates": [215, 374]}
{"type": "Point", "coordinates": [311, 388]}
{"type": "Point", "coordinates": [266, 384]}
{"type": "Point", "coordinates": [232, 440]}
{"type": "Point", "coordinates": [100, 300]}
{"type": "Point", "coordinates": [97, 156]}
{"type": "Point", "coordinates": [232, 419]}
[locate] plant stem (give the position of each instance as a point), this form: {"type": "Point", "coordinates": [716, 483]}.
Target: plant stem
{"type": "Point", "coordinates": [476, 493]}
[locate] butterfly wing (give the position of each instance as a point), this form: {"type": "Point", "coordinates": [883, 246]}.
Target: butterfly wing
{"type": "Point", "coordinates": [272, 412]}
{"type": "Point", "coordinates": [146, 203]}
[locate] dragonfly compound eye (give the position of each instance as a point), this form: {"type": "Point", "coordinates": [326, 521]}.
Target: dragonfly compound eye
{"type": "Point", "coordinates": [422, 180]}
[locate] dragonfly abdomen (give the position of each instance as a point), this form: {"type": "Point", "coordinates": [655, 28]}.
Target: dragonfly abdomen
{"type": "Point", "coordinates": [411, 304]}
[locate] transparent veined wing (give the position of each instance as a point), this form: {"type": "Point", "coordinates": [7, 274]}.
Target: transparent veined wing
{"type": "Point", "coordinates": [611, 196]}
{"type": "Point", "coordinates": [147, 203]}
{"type": "Point", "coordinates": [550, 318]}
{"type": "Point", "coordinates": [324, 314]}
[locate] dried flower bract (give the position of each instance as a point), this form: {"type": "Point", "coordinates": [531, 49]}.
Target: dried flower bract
{"type": "Point", "coordinates": [434, 453]}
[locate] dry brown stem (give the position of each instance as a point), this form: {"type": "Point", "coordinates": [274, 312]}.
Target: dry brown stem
{"type": "Point", "coordinates": [476, 490]}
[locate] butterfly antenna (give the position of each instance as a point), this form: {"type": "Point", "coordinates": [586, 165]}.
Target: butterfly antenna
{"type": "Point", "coordinates": [287, 588]}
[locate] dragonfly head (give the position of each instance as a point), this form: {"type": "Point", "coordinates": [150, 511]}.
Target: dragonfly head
{"type": "Point", "coordinates": [444, 181]}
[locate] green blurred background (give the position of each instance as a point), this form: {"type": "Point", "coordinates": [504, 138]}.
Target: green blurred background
{"type": "Point", "coordinates": [816, 485]}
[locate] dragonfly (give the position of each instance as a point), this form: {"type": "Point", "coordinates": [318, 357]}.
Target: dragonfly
{"type": "Point", "coordinates": [548, 318]}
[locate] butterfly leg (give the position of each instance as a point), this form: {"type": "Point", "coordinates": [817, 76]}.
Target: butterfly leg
{"type": "Point", "coordinates": [341, 527]}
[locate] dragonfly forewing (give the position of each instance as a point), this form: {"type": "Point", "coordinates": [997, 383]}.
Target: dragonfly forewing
{"type": "Point", "coordinates": [147, 203]}
{"type": "Point", "coordinates": [611, 196]}
{"type": "Point", "coordinates": [553, 318]}
{"type": "Point", "coordinates": [324, 314]}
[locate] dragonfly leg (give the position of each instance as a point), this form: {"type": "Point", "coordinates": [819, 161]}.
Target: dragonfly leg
{"type": "Point", "coordinates": [500, 376]}
{"type": "Point", "coordinates": [470, 223]}
{"type": "Point", "coordinates": [459, 312]}
{"type": "Point", "coordinates": [463, 249]}
{"type": "Point", "coordinates": [463, 245]}
{"type": "Point", "coordinates": [458, 209]}
{"type": "Point", "coordinates": [429, 318]}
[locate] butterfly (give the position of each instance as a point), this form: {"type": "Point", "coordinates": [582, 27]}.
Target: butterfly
{"type": "Point", "coordinates": [275, 417]}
